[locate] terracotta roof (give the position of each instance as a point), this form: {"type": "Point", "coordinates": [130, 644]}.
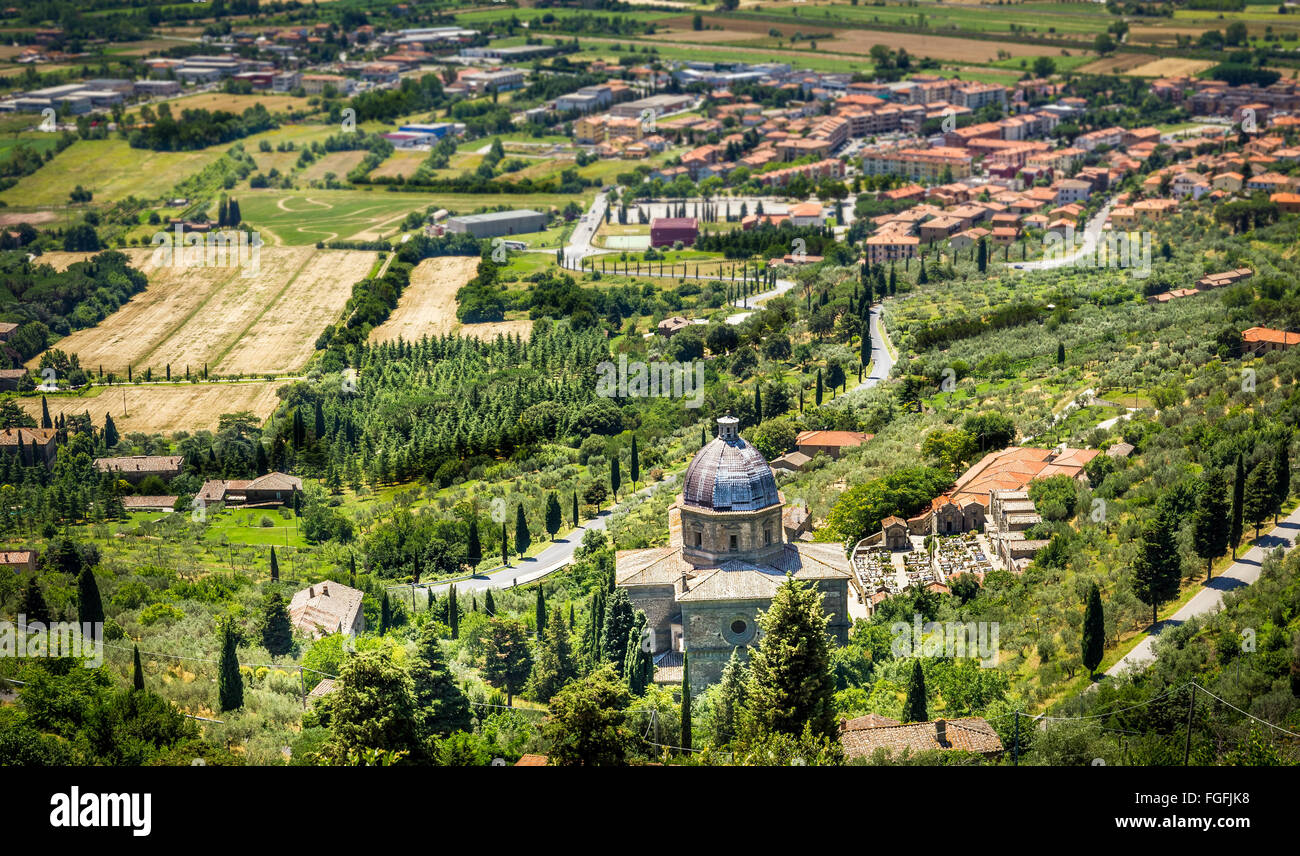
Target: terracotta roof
{"type": "Point", "coordinates": [831, 438]}
{"type": "Point", "coordinates": [324, 608]}
{"type": "Point", "coordinates": [16, 557]}
{"type": "Point", "coordinates": [140, 463]}
{"type": "Point", "coordinates": [971, 734]}
{"type": "Point", "coordinates": [531, 761]}
{"type": "Point", "coordinates": [1267, 334]}
{"type": "Point", "coordinates": [11, 436]}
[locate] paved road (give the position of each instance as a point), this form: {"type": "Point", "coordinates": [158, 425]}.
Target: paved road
{"type": "Point", "coordinates": [1088, 248]}
{"type": "Point", "coordinates": [1242, 573]}
{"type": "Point", "coordinates": [882, 362]}
{"type": "Point", "coordinates": [556, 556]}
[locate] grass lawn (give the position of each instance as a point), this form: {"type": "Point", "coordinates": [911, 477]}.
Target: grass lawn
{"type": "Point", "coordinates": [301, 217]}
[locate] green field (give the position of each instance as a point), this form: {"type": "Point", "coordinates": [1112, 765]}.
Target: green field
{"type": "Point", "coordinates": [111, 169]}
{"type": "Point", "coordinates": [296, 218]}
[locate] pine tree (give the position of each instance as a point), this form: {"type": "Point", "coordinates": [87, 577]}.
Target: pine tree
{"type": "Point", "coordinates": [440, 705]}
{"type": "Point", "coordinates": [473, 548]}
{"type": "Point", "coordinates": [791, 683]}
{"type": "Point", "coordinates": [523, 540]}
{"type": "Point", "coordinates": [634, 465]}
{"type": "Point", "coordinates": [1094, 631]}
{"type": "Point", "coordinates": [687, 728]}
{"type": "Point", "coordinates": [1238, 505]}
{"type": "Point", "coordinates": [1211, 519]}
{"type": "Point", "coordinates": [554, 517]}
{"type": "Point", "coordinates": [137, 671]}
{"type": "Point", "coordinates": [90, 607]}
{"type": "Point", "coordinates": [914, 708]}
{"type": "Point", "coordinates": [230, 683]}
{"type": "Point", "coordinates": [275, 567]}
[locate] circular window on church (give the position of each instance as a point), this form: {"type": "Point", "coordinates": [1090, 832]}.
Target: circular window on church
{"type": "Point", "coordinates": [739, 631]}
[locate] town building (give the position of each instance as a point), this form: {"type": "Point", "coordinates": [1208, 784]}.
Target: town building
{"type": "Point", "coordinates": [497, 223]}
{"type": "Point", "coordinates": [727, 554]}
{"type": "Point", "coordinates": [327, 607]}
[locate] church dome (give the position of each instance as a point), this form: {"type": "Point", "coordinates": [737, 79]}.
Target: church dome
{"type": "Point", "coordinates": [729, 474]}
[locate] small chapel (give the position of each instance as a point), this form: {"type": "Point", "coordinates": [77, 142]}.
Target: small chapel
{"type": "Point", "coordinates": [728, 551]}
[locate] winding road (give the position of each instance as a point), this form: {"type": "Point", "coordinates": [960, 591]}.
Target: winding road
{"type": "Point", "coordinates": [559, 552]}
{"type": "Point", "coordinates": [1242, 572]}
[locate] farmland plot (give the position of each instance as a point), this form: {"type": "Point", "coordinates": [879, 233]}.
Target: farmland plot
{"type": "Point", "coordinates": [164, 408]}
{"type": "Point", "coordinates": [215, 316]}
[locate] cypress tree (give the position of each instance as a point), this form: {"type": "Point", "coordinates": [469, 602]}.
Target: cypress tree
{"type": "Point", "coordinates": [230, 683]}
{"type": "Point", "coordinates": [453, 612]}
{"type": "Point", "coordinates": [33, 605]}
{"type": "Point", "coordinates": [523, 540]}
{"type": "Point", "coordinates": [90, 607]}
{"type": "Point", "coordinates": [758, 403]}
{"type": "Point", "coordinates": [704, 436]}
{"type": "Point", "coordinates": [473, 549]}
{"type": "Point", "coordinates": [1238, 504]}
{"type": "Point", "coordinates": [110, 431]}
{"type": "Point", "coordinates": [1060, 353]}
{"type": "Point", "coordinates": [385, 614]}
{"type": "Point", "coordinates": [1094, 631]}
{"type": "Point", "coordinates": [554, 517]}
{"type": "Point", "coordinates": [46, 422]}
{"type": "Point", "coordinates": [686, 701]}
{"type": "Point", "coordinates": [914, 709]}
{"type": "Point", "coordinates": [614, 479]}
{"type": "Point", "coordinates": [440, 705]}
{"type": "Point", "coordinates": [541, 611]}
{"type": "Point", "coordinates": [275, 567]}
{"type": "Point", "coordinates": [137, 671]}
{"type": "Point", "coordinates": [634, 466]}
{"type": "Point", "coordinates": [575, 509]}
{"type": "Point", "coordinates": [818, 397]}
{"type": "Point", "coordinates": [982, 256]}
{"type": "Point", "coordinates": [261, 464]}
{"type": "Point", "coordinates": [1211, 519]}
{"type": "Point", "coordinates": [489, 603]}
{"type": "Point", "coordinates": [1156, 569]}
{"type": "Point", "coordinates": [277, 629]}
{"type": "Point", "coordinates": [505, 545]}
{"type": "Point", "coordinates": [1281, 475]}
{"type": "Point", "coordinates": [1258, 503]}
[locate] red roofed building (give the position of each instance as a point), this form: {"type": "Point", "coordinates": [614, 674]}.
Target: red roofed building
{"type": "Point", "coordinates": [829, 442]}
{"type": "Point", "coordinates": [1262, 340]}
{"type": "Point", "coordinates": [665, 231]}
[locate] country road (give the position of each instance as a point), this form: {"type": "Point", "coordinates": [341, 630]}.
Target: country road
{"type": "Point", "coordinates": [1243, 572]}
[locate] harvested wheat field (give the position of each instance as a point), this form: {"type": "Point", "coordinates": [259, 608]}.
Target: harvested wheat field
{"type": "Point", "coordinates": [265, 322]}
{"type": "Point", "coordinates": [1171, 67]}
{"type": "Point", "coordinates": [489, 330]}
{"type": "Point", "coordinates": [428, 305]}
{"type": "Point", "coordinates": [165, 408]}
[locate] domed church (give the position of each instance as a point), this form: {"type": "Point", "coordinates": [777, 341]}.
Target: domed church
{"type": "Point", "coordinates": [727, 553]}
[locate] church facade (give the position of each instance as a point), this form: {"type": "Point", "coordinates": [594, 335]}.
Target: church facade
{"type": "Point", "coordinates": [727, 554]}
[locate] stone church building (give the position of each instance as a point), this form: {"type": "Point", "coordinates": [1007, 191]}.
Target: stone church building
{"type": "Point", "coordinates": [727, 553]}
